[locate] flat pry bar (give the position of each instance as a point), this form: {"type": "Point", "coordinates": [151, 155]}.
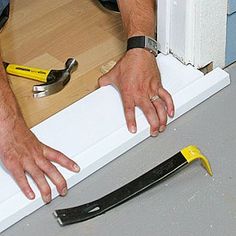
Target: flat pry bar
{"type": "Point", "coordinates": [133, 188]}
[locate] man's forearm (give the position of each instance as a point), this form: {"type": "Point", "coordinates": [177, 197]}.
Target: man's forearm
{"type": "Point", "coordinates": [138, 17]}
{"type": "Point", "coordinates": [8, 107]}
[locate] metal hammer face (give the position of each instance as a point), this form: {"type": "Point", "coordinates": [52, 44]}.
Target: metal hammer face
{"type": "Point", "coordinates": [56, 80]}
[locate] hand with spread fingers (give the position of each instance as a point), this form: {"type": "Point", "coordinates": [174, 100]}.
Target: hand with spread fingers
{"type": "Point", "coordinates": [137, 77]}
{"type": "Point", "coordinates": [136, 74]}
{"type": "Point", "coordinates": [21, 152]}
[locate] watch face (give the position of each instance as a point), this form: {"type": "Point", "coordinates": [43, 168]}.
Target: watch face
{"type": "Point", "coordinates": [152, 44]}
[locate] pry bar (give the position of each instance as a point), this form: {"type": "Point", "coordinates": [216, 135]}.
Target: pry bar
{"type": "Point", "coordinates": [133, 188]}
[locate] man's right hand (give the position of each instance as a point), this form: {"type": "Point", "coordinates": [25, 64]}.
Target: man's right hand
{"type": "Point", "coordinates": [21, 152]}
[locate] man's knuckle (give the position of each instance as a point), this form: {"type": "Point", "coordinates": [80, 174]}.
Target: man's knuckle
{"type": "Point", "coordinates": [141, 90]}
{"type": "Point", "coordinates": [37, 175]}
{"type": "Point", "coordinates": [125, 88]}
{"type": "Point", "coordinates": [162, 118]}
{"type": "Point", "coordinates": [128, 109]}
{"type": "Point", "coordinates": [150, 112]}
{"type": "Point", "coordinates": [21, 177]}
{"type": "Point", "coordinates": [59, 156]}
{"type": "Point", "coordinates": [61, 184]}
{"type": "Point", "coordinates": [140, 100]}
{"type": "Point", "coordinates": [45, 190]}
{"type": "Point", "coordinates": [155, 125]}
{"type": "Point", "coordinates": [48, 167]}
{"type": "Point", "coordinates": [10, 162]}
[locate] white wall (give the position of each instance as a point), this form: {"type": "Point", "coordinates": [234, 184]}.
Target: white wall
{"type": "Point", "coordinates": [193, 30]}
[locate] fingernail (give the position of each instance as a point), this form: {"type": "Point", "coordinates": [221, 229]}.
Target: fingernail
{"type": "Point", "coordinates": [162, 128]}
{"type": "Point", "coordinates": [30, 195]}
{"type": "Point", "coordinates": [47, 199]}
{"type": "Point", "coordinates": [172, 113]}
{"type": "Point", "coordinates": [133, 129]}
{"type": "Point", "coordinates": [64, 192]}
{"type": "Point", "coordinates": [76, 168]}
{"type": "Point", "coordinates": [154, 133]}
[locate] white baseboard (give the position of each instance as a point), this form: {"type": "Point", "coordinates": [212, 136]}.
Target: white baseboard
{"type": "Point", "coordinates": [93, 131]}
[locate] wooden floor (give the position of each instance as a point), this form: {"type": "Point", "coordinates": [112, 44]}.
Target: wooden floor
{"type": "Point", "coordinates": [45, 33]}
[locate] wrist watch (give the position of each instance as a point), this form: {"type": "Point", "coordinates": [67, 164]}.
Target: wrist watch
{"type": "Point", "coordinates": [144, 42]}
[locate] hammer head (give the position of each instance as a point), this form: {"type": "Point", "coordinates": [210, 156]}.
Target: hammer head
{"type": "Point", "coordinates": [56, 80]}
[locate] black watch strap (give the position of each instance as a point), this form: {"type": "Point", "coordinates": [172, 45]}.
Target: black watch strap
{"type": "Point", "coordinates": [145, 42]}
{"type": "Point", "coordinates": [136, 42]}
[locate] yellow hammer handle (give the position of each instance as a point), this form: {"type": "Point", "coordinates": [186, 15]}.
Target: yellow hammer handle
{"type": "Point", "coordinates": [28, 72]}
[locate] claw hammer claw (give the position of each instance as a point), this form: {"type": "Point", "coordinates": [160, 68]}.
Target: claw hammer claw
{"type": "Point", "coordinates": [54, 80]}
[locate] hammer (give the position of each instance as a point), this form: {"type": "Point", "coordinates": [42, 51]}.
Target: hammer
{"type": "Point", "coordinates": [54, 80]}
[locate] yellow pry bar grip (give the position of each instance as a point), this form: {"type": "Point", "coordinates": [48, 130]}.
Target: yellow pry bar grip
{"type": "Point", "coordinates": [28, 72]}
{"type": "Point", "coordinates": [192, 153]}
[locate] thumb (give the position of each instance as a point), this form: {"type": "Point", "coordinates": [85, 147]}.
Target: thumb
{"type": "Point", "coordinates": [107, 74]}
{"type": "Point", "coordinates": [104, 80]}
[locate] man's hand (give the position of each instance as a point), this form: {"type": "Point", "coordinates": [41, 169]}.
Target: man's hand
{"type": "Point", "coordinates": [21, 152]}
{"type": "Point", "coordinates": [137, 77]}
{"type": "Point", "coordinates": [136, 74]}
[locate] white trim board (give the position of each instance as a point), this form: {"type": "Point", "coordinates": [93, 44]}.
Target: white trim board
{"type": "Point", "coordinates": [93, 131]}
